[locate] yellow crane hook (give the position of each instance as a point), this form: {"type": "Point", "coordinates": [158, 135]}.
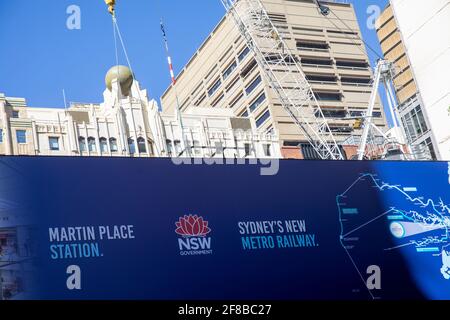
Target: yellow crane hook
{"type": "Point", "coordinates": [111, 6]}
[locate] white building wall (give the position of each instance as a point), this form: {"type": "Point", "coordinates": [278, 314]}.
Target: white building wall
{"type": "Point", "coordinates": [134, 117]}
{"type": "Point", "coordinates": [425, 27]}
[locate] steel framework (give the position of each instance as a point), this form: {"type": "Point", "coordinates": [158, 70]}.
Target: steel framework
{"type": "Point", "coordinates": [283, 73]}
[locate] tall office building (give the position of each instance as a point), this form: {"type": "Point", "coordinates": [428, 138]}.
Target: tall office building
{"type": "Point", "coordinates": [417, 32]}
{"type": "Point", "coordinates": [223, 73]}
{"type": "Point", "coordinates": [412, 115]}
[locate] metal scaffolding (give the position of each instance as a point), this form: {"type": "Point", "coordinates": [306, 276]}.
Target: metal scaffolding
{"type": "Point", "coordinates": [284, 75]}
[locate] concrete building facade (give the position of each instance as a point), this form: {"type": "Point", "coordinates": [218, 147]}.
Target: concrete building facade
{"type": "Point", "coordinates": [223, 73]}
{"type": "Point", "coordinates": [413, 117]}
{"type": "Point", "coordinates": [128, 125]}
{"type": "Point", "coordinates": [423, 28]}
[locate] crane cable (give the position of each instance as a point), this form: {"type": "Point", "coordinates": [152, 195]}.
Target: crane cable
{"type": "Point", "coordinates": [326, 14]}
{"type": "Point", "coordinates": [350, 29]}
{"type": "Point", "coordinates": [118, 34]}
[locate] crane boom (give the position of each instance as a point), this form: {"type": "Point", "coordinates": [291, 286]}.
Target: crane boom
{"type": "Point", "coordinates": [284, 75]}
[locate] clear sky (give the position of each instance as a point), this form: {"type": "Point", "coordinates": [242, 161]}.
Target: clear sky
{"type": "Point", "coordinates": [39, 55]}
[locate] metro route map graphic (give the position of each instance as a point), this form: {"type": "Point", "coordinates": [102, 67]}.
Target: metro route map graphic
{"type": "Point", "coordinates": [418, 224]}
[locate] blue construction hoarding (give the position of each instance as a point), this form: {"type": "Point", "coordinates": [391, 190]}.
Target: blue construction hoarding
{"type": "Point", "coordinates": [93, 228]}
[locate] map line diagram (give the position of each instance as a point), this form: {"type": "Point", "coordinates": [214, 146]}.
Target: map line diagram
{"type": "Point", "coordinates": [413, 221]}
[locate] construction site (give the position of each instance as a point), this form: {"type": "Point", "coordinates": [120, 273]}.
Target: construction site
{"type": "Point", "coordinates": [274, 79]}
{"type": "Point", "coordinates": [97, 200]}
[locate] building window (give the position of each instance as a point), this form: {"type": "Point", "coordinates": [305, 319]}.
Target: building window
{"type": "Point", "coordinates": [247, 149]}
{"type": "Point", "coordinates": [328, 96]}
{"type": "Point", "coordinates": [92, 145]}
{"type": "Point", "coordinates": [356, 80]}
{"type": "Point", "coordinates": [253, 85]}
{"type": "Point", "coordinates": [82, 142]}
{"type": "Point", "coordinates": [15, 114]}
{"type": "Point", "coordinates": [429, 144]}
{"type": "Point", "coordinates": [340, 128]}
{"type": "Point", "coordinates": [414, 123]}
{"type": "Point", "coordinates": [219, 147]}
{"type": "Point", "coordinates": [243, 54]}
{"type": "Point", "coordinates": [354, 113]}
{"type": "Point", "coordinates": [312, 45]}
{"type": "Point", "coordinates": [316, 78]}
{"type": "Point", "coordinates": [244, 114]}
{"type": "Point", "coordinates": [248, 68]}
{"type": "Point", "coordinates": [260, 121]}
{"type": "Point", "coordinates": [142, 147]}
{"type": "Point", "coordinates": [131, 146]}
{"type": "Point", "coordinates": [196, 147]}
{"type": "Point", "coordinates": [229, 70]}
{"type": "Point", "coordinates": [113, 145]}
{"type": "Point", "coordinates": [257, 102]}
{"type": "Point", "coordinates": [332, 113]}
{"type": "Point", "coordinates": [276, 59]}
{"type": "Point", "coordinates": [267, 151]}
{"type": "Point", "coordinates": [177, 144]}
{"type": "Point", "coordinates": [21, 136]}
{"type": "Point", "coordinates": [214, 87]}
{"type": "Point", "coordinates": [316, 62]}
{"type": "Point", "coordinates": [352, 64]}
{"type": "Point", "coordinates": [377, 114]}
{"type": "Point", "coordinates": [53, 143]}
{"type": "Point", "coordinates": [151, 148]}
{"type": "Point", "coordinates": [236, 100]}
{"type": "Point", "coordinates": [103, 145]}
{"type": "Point", "coordinates": [169, 147]}
{"type": "Point", "coordinates": [1, 135]}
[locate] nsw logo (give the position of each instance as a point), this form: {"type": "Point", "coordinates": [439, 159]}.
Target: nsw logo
{"type": "Point", "coordinates": [193, 233]}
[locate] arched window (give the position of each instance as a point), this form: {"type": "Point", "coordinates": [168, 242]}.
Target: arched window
{"type": "Point", "coordinates": [82, 142]}
{"type": "Point", "coordinates": [169, 147]}
{"type": "Point", "coordinates": [103, 145]}
{"type": "Point", "coordinates": [113, 145]}
{"type": "Point", "coordinates": [131, 146]}
{"type": "Point", "coordinates": [92, 145]}
{"type": "Point", "coordinates": [141, 145]}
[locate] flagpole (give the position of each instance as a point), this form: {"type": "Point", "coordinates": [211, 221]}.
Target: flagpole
{"type": "Point", "coordinates": [173, 85]}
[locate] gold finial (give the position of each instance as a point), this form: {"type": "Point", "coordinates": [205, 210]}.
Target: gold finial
{"type": "Point", "coordinates": [111, 6]}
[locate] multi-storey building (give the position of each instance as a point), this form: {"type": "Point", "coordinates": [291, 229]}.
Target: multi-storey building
{"type": "Point", "coordinates": [128, 123]}
{"type": "Point", "coordinates": [223, 73]}
{"type": "Point", "coordinates": [16, 248]}
{"type": "Point", "coordinates": [412, 115]}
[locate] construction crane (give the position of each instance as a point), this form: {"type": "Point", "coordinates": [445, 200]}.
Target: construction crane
{"type": "Point", "coordinates": [324, 10]}
{"type": "Point", "coordinates": [285, 76]}
{"type": "Point", "coordinates": [384, 73]}
{"type": "Point", "coordinates": [291, 87]}
{"type": "Point", "coordinates": [290, 84]}
{"type": "Point", "coordinates": [111, 6]}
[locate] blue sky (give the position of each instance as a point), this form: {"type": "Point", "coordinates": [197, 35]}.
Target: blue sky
{"type": "Point", "coordinates": [40, 56]}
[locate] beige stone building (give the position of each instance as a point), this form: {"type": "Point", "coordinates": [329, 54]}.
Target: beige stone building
{"type": "Point", "coordinates": [410, 106]}
{"type": "Point", "coordinates": [128, 124]}
{"type": "Point", "coordinates": [223, 73]}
